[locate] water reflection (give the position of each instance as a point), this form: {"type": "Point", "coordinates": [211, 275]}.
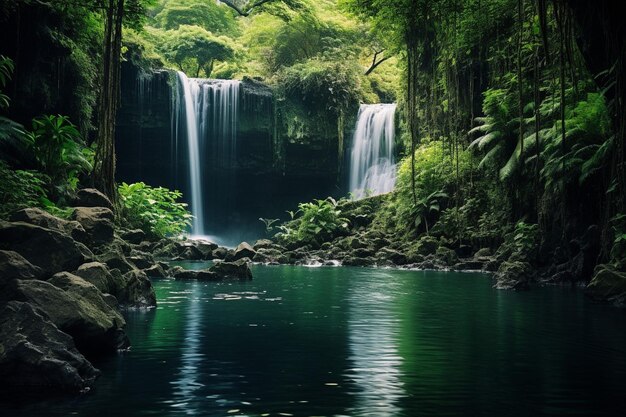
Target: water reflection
{"type": "Point", "coordinates": [187, 380]}
{"type": "Point", "coordinates": [373, 331]}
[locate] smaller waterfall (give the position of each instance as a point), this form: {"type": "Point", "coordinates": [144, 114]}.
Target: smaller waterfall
{"type": "Point", "coordinates": [372, 161]}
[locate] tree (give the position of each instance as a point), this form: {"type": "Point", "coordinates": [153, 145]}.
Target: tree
{"type": "Point", "coordinates": [207, 15]}
{"type": "Point", "coordinates": [280, 8]}
{"type": "Point", "coordinates": [192, 45]}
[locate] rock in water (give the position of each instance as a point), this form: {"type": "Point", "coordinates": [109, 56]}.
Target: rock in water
{"type": "Point", "coordinates": [237, 270]}
{"type": "Point", "coordinates": [137, 290]}
{"type": "Point", "coordinates": [513, 275]}
{"type": "Point", "coordinates": [90, 197]}
{"type": "Point", "coordinates": [36, 355]}
{"type": "Point", "coordinates": [77, 308]}
{"type": "Point", "coordinates": [608, 284]}
{"type": "Point", "coordinates": [244, 250]}
{"type": "Point", "coordinates": [48, 249]}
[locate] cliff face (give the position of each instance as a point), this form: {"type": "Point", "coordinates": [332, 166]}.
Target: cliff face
{"type": "Point", "coordinates": [283, 156]}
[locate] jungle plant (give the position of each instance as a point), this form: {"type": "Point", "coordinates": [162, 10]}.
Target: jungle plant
{"type": "Point", "coordinates": [20, 189]}
{"type": "Point", "coordinates": [426, 206]}
{"type": "Point", "coordinates": [319, 220]}
{"type": "Point", "coordinates": [154, 209]}
{"type": "Point", "coordinates": [268, 224]}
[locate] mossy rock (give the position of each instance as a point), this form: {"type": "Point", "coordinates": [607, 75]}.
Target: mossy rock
{"type": "Point", "coordinates": [608, 284]}
{"type": "Point", "coordinates": [513, 275]}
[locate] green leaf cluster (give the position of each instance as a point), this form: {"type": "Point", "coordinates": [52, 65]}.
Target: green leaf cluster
{"type": "Point", "coordinates": [154, 209]}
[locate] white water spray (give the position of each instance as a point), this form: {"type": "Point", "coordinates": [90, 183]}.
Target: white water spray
{"type": "Point", "coordinates": [372, 162]}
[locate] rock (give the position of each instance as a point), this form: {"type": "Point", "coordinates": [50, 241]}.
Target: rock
{"type": "Point", "coordinates": [352, 261]}
{"type": "Point", "coordinates": [137, 291]}
{"type": "Point", "coordinates": [363, 253]}
{"type": "Point", "coordinates": [483, 252]}
{"type": "Point", "coordinates": [262, 244]}
{"type": "Point", "coordinates": [220, 253]}
{"type": "Point", "coordinates": [42, 218]}
{"type": "Point", "coordinates": [357, 243]}
{"type": "Point", "coordinates": [447, 256]}
{"type": "Point", "coordinates": [608, 284]}
{"type": "Point", "coordinates": [244, 250]}
{"type": "Point", "coordinates": [464, 251]}
{"type": "Point", "coordinates": [513, 275]}
{"type": "Point", "coordinates": [270, 255]}
{"type": "Point", "coordinates": [206, 248]}
{"type": "Point", "coordinates": [426, 245]}
{"type": "Point", "coordinates": [90, 197]}
{"type": "Point", "coordinates": [202, 275]}
{"type": "Point", "coordinates": [396, 257]}
{"type": "Point", "coordinates": [35, 356]}
{"type": "Point", "coordinates": [191, 253]}
{"type": "Point", "coordinates": [14, 265]}
{"type": "Point", "coordinates": [98, 274]}
{"type": "Point", "coordinates": [98, 223]}
{"type": "Point", "coordinates": [238, 269]}
{"type": "Point", "coordinates": [48, 249]}
{"type": "Point", "coordinates": [468, 265]}
{"type": "Point", "coordinates": [155, 271]}
{"type": "Point", "coordinates": [77, 308]}
{"type": "Point", "coordinates": [115, 260]}
{"type": "Point", "coordinates": [135, 236]}
{"type": "Point", "coordinates": [141, 262]}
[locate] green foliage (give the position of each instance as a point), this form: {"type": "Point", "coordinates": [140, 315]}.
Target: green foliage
{"type": "Point", "coordinates": [330, 86]}
{"type": "Point", "coordinates": [194, 49]}
{"type": "Point", "coordinates": [20, 189]}
{"type": "Point", "coordinates": [618, 250]}
{"type": "Point", "coordinates": [205, 14]}
{"type": "Point", "coordinates": [59, 152]}
{"type": "Point", "coordinates": [6, 69]}
{"type": "Point", "coordinates": [319, 220]}
{"type": "Point", "coordinates": [268, 224]}
{"type": "Point", "coordinates": [155, 210]}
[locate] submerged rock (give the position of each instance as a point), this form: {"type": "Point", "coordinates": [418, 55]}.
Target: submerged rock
{"type": "Point", "coordinates": [36, 356]}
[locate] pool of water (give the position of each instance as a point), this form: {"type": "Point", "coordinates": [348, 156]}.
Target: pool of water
{"type": "Point", "coordinates": [302, 341]}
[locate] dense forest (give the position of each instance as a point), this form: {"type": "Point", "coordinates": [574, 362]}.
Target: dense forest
{"type": "Point", "coordinates": [509, 126]}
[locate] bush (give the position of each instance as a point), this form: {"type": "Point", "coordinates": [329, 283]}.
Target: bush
{"type": "Point", "coordinates": [154, 209]}
{"type": "Point", "coordinates": [20, 189]}
{"type": "Point", "coordinates": [319, 221]}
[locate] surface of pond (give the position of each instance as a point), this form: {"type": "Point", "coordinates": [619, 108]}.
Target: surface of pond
{"type": "Point", "coordinates": [360, 342]}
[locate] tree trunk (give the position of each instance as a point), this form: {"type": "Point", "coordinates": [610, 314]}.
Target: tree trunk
{"type": "Point", "coordinates": [104, 167]}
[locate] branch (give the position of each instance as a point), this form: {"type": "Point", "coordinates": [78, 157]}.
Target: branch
{"type": "Point", "coordinates": [376, 63]}
{"type": "Point", "coordinates": [250, 9]}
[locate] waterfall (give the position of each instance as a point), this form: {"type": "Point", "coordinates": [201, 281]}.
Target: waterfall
{"type": "Point", "coordinates": [210, 109]}
{"type": "Point", "coordinates": [372, 161]}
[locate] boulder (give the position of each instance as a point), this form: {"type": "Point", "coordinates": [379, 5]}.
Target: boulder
{"type": "Point", "coordinates": [98, 274]}
{"type": "Point", "coordinates": [608, 284]}
{"type": "Point", "coordinates": [14, 265]}
{"type": "Point", "coordinates": [482, 252]}
{"type": "Point", "coordinates": [135, 236]}
{"type": "Point", "coordinates": [77, 308]}
{"type": "Point", "coordinates": [36, 356]}
{"type": "Point", "coordinates": [137, 291]}
{"type": "Point", "coordinates": [90, 197]}
{"type": "Point", "coordinates": [141, 262]}
{"type": "Point", "coordinates": [97, 222]}
{"type": "Point", "coordinates": [206, 248]}
{"type": "Point", "coordinates": [220, 253]}
{"type": "Point", "coordinates": [513, 275]}
{"type": "Point", "coordinates": [238, 269]}
{"type": "Point", "coordinates": [396, 257]}
{"type": "Point", "coordinates": [48, 249]}
{"type": "Point", "coordinates": [427, 245]}
{"type": "Point", "coordinates": [244, 250]}
{"type": "Point", "coordinates": [42, 218]}
{"type": "Point", "coordinates": [270, 255]}
{"type": "Point", "coordinates": [262, 244]}
{"type": "Point", "coordinates": [447, 256]}
{"type": "Point", "coordinates": [202, 275]}
{"type": "Point", "coordinates": [352, 261]}
{"type": "Point", "coordinates": [155, 271]}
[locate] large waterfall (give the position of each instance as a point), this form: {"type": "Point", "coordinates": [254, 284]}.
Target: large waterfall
{"type": "Point", "coordinates": [372, 161]}
{"type": "Point", "coordinates": [209, 110]}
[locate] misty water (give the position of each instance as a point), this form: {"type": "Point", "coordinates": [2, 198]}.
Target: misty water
{"type": "Point", "coordinates": [360, 342]}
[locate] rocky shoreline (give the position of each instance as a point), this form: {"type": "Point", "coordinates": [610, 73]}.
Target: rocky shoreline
{"type": "Point", "coordinates": [64, 283]}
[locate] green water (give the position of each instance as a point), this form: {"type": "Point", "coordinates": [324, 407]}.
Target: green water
{"type": "Point", "coordinates": [361, 342]}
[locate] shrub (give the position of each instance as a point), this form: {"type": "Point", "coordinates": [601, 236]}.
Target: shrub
{"type": "Point", "coordinates": [319, 221]}
{"type": "Point", "coordinates": [20, 189]}
{"type": "Point", "coordinates": [154, 210]}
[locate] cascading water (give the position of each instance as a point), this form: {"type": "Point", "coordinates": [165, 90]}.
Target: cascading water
{"type": "Point", "coordinates": [210, 109]}
{"type": "Point", "coordinates": [372, 161]}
